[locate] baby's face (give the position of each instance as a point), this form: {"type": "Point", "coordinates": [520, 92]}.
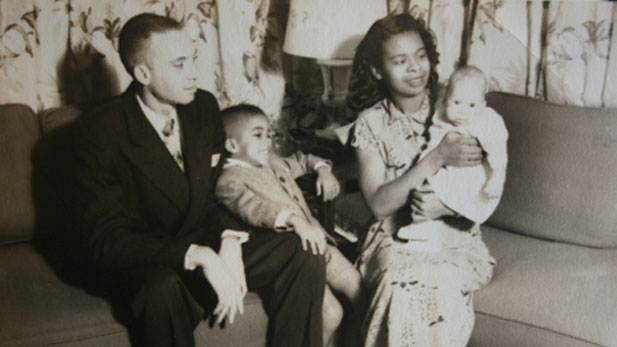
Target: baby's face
{"type": "Point", "coordinates": [464, 100]}
{"type": "Point", "coordinates": [253, 142]}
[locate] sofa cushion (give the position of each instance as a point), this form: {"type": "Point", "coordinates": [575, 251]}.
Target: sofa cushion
{"type": "Point", "coordinates": [52, 175]}
{"type": "Point", "coordinates": [559, 291]}
{"type": "Point", "coordinates": [55, 118]}
{"type": "Point", "coordinates": [39, 309]}
{"type": "Point", "coordinates": [495, 331]}
{"type": "Point", "coordinates": [561, 171]}
{"type": "Point", "coordinates": [19, 132]}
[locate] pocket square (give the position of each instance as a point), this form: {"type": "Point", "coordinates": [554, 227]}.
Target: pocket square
{"type": "Point", "coordinates": [215, 159]}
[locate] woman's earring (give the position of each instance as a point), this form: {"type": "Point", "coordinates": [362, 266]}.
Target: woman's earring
{"type": "Point", "coordinates": [376, 73]}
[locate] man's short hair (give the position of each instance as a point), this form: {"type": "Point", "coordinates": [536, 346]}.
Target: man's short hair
{"type": "Point", "coordinates": [234, 116]}
{"type": "Point", "coordinates": [135, 33]}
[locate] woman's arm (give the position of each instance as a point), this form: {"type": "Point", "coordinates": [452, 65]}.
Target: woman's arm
{"type": "Point", "coordinates": [385, 198]}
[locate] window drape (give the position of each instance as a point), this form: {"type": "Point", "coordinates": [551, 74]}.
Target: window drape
{"type": "Point", "coordinates": [56, 52]}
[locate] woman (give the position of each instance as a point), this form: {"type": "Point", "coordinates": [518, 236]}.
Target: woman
{"type": "Point", "coordinates": [417, 298]}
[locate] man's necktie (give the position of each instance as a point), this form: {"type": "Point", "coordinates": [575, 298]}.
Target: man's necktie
{"type": "Point", "coordinates": [171, 139]}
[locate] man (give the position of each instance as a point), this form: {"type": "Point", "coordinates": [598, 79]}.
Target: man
{"type": "Point", "coordinates": [147, 162]}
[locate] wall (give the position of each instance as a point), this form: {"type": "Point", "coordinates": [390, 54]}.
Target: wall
{"type": "Point", "coordinates": [55, 52]}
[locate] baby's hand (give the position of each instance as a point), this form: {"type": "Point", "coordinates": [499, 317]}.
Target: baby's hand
{"type": "Point", "coordinates": [311, 235]}
{"type": "Point", "coordinates": [326, 184]}
{"type": "Point", "coordinates": [492, 189]}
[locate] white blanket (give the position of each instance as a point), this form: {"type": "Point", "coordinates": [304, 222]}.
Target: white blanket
{"type": "Point", "coordinates": [461, 188]}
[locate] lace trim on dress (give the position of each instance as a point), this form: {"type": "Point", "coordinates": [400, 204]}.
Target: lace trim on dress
{"type": "Point", "coordinates": [363, 137]}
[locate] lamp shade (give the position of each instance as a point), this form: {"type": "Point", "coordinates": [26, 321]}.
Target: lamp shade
{"type": "Point", "coordinates": [329, 29]}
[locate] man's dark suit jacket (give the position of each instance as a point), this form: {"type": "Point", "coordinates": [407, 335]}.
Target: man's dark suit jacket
{"type": "Point", "coordinates": [139, 207]}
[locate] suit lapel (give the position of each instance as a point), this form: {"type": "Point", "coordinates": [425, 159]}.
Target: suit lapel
{"type": "Point", "coordinates": [150, 155]}
{"type": "Point", "coordinates": [197, 153]}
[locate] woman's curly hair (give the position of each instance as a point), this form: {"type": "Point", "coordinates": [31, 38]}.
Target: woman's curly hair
{"type": "Point", "coordinates": [364, 89]}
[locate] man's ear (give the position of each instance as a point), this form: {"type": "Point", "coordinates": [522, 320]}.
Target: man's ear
{"type": "Point", "coordinates": [231, 146]}
{"type": "Point", "coordinates": [376, 73]}
{"type": "Point", "coordinates": [142, 74]}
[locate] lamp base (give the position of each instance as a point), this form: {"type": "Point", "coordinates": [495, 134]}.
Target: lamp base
{"type": "Point", "coordinates": [336, 74]}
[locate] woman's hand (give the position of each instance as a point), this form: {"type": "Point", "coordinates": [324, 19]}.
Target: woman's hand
{"type": "Point", "coordinates": [459, 150]}
{"type": "Point", "coordinates": [426, 206]}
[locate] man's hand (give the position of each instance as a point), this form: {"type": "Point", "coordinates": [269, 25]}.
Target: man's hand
{"type": "Point", "coordinates": [226, 287]}
{"type": "Point", "coordinates": [326, 184]}
{"type": "Point", "coordinates": [231, 254]}
{"type": "Point", "coordinates": [311, 235]}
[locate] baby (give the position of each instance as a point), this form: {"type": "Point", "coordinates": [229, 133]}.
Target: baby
{"type": "Point", "coordinates": [472, 192]}
{"type": "Point", "coordinates": [260, 188]}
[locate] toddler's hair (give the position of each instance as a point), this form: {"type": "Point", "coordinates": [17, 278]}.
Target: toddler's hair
{"type": "Point", "coordinates": [234, 116]}
{"type": "Point", "coordinates": [467, 73]}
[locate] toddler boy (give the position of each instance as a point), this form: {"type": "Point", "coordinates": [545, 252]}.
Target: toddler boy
{"type": "Point", "coordinates": [260, 188]}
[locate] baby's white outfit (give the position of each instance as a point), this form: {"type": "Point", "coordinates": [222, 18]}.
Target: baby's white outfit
{"type": "Point", "coordinates": [461, 188]}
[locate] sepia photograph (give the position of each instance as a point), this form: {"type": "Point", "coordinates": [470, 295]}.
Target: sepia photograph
{"type": "Point", "coordinates": [308, 173]}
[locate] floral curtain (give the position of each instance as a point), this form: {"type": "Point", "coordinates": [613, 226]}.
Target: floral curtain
{"type": "Point", "coordinates": [56, 52]}
{"type": "Point", "coordinates": [562, 51]}
{"type": "Point", "coordinates": [30, 51]}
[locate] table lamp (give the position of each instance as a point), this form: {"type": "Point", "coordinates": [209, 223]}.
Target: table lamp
{"type": "Point", "coordinates": [329, 31]}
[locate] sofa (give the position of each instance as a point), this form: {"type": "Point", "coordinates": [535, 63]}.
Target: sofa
{"type": "Point", "coordinates": [46, 294]}
{"type": "Point", "coordinates": [554, 233]}
{"type": "Point", "coordinates": [554, 236]}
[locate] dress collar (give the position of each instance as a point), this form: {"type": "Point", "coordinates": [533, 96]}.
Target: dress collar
{"type": "Point", "coordinates": [420, 116]}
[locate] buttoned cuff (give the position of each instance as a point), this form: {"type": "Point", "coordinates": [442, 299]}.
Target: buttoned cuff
{"type": "Point", "coordinates": [280, 223]}
{"type": "Point", "coordinates": [242, 236]}
{"type": "Point", "coordinates": [189, 263]}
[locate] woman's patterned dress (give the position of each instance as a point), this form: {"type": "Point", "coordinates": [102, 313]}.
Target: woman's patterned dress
{"type": "Point", "coordinates": [417, 298]}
